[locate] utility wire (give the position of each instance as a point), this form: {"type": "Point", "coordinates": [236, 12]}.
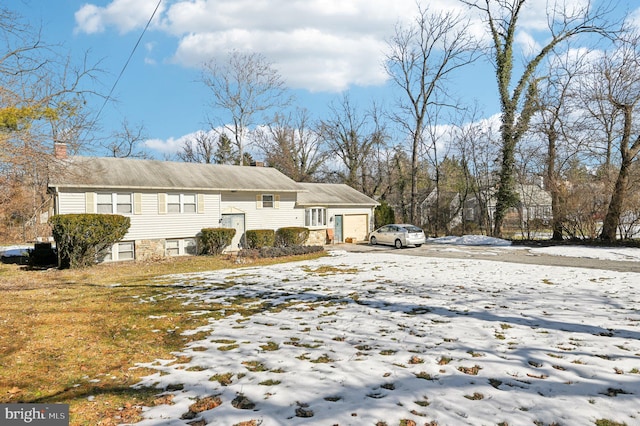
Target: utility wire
{"type": "Point", "coordinates": [108, 98]}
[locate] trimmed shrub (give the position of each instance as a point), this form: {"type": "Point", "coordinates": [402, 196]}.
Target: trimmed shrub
{"type": "Point", "coordinates": [212, 241]}
{"type": "Point", "coordinates": [291, 236]}
{"type": "Point", "coordinates": [268, 252]}
{"type": "Point", "coordinates": [258, 238]}
{"type": "Point", "coordinates": [81, 237]}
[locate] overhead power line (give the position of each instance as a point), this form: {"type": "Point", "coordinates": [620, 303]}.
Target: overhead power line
{"type": "Point", "coordinates": [133, 51]}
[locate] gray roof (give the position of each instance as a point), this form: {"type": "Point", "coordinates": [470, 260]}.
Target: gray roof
{"type": "Point", "coordinates": [108, 172]}
{"type": "Point", "coordinates": [332, 194]}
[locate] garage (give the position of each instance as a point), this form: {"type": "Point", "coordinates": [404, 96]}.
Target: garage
{"type": "Point", "coordinates": [355, 226]}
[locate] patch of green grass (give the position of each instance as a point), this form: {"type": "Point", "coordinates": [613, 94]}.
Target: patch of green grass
{"type": "Point", "coordinates": [225, 379]}
{"type": "Point", "coordinates": [254, 366]}
{"type": "Point", "coordinates": [196, 368]}
{"type": "Point", "coordinates": [423, 402]}
{"type": "Point", "coordinates": [475, 397]}
{"type": "Point", "coordinates": [424, 375]}
{"type": "Point", "coordinates": [387, 352]}
{"type": "Point", "coordinates": [270, 382]}
{"type": "Point", "coordinates": [473, 371]}
{"type": "Point", "coordinates": [329, 270]}
{"type": "Point", "coordinates": [606, 422]}
{"type": "Point", "coordinates": [444, 360]}
{"type": "Point", "coordinates": [324, 359]}
{"type": "Point", "coordinates": [228, 347]}
{"type": "Point", "coordinates": [270, 346]}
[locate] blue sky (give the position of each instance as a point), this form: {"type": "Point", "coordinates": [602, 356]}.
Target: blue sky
{"type": "Point", "coordinates": [322, 48]}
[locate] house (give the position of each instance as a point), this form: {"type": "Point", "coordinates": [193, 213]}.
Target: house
{"type": "Point", "coordinates": [534, 204]}
{"type": "Point", "coordinates": [337, 207]}
{"type": "Point", "coordinates": [170, 202]}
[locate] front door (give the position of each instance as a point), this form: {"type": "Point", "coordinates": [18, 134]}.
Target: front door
{"type": "Point", "coordinates": [338, 228]}
{"type": "Point", "coordinates": [235, 221]}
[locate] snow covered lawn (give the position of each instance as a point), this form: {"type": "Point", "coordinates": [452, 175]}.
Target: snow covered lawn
{"type": "Point", "coordinates": [378, 338]}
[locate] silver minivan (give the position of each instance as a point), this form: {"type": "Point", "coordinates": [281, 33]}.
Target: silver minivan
{"type": "Point", "coordinates": [398, 235]}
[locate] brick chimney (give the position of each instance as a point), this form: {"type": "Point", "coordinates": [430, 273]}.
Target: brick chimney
{"type": "Point", "coordinates": [60, 150]}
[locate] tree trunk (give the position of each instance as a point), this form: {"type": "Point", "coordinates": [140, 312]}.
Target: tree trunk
{"type": "Point", "coordinates": [612, 219]}
{"type": "Point", "coordinates": [505, 194]}
{"type": "Point", "coordinates": [554, 187]}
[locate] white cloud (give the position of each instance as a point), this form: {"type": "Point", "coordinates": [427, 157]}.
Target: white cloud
{"type": "Point", "coordinates": [169, 146]}
{"type": "Point", "coordinates": [318, 45]}
{"type": "Point", "coordinates": [125, 15]}
{"type": "Point", "coordinates": [528, 43]}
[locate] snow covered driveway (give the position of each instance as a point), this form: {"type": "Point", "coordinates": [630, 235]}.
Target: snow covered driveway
{"type": "Point", "coordinates": [377, 338]}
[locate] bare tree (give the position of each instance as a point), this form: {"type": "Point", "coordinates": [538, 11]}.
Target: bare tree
{"type": "Point", "coordinates": [352, 136]}
{"type": "Point", "coordinates": [518, 93]}
{"type": "Point", "coordinates": [200, 148]}
{"type": "Point", "coordinates": [421, 58]}
{"type": "Point", "coordinates": [42, 98]}
{"type": "Point", "coordinates": [290, 145]}
{"type": "Point", "coordinates": [127, 142]}
{"type": "Point", "coordinates": [243, 87]}
{"type": "Point", "coordinates": [475, 143]}
{"type": "Point", "coordinates": [560, 122]}
{"type": "Point", "coordinates": [619, 74]}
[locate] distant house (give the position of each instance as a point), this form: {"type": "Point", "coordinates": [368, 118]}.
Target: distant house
{"type": "Point", "coordinates": [170, 202]}
{"type": "Point", "coordinates": [534, 203]}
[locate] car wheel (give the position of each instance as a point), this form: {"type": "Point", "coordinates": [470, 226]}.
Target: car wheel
{"type": "Point", "coordinates": [398, 244]}
{"type": "Point", "coordinates": [418, 245]}
{"type": "Point", "coordinates": [373, 241]}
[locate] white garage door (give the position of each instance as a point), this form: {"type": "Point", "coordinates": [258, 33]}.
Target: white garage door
{"type": "Point", "coordinates": [355, 226]}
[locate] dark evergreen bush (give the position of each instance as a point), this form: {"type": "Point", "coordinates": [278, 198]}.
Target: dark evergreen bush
{"type": "Point", "coordinates": [81, 237]}
{"type": "Point", "coordinates": [291, 236]}
{"type": "Point", "coordinates": [258, 238]}
{"type": "Point", "coordinates": [213, 241]}
{"type": "Point", "coordinates": [268, 252]}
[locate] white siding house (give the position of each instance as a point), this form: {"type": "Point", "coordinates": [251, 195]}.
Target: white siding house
{"type": "Point", "coordinates": [169, 203]}
{"type": "Point", "coordinates": [345, 213]}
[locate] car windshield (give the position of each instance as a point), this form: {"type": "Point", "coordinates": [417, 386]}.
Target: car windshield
{"type": "Point", "coordinates": [411, 228]}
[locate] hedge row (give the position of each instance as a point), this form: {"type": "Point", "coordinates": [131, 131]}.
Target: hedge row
{"type": "Point", "coordinates": [268, 252]}
{"type": "Point", "coordinates": [258, 238]}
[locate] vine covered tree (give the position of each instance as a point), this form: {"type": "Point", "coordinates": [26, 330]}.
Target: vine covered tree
{"type": "Point", "coordinates": [518, 93]}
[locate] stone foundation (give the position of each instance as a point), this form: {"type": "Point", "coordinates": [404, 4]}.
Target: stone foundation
{"type": "Point", "coordinates": [317, 237]}
{"type": "Point", "coordinates": [149, 249]}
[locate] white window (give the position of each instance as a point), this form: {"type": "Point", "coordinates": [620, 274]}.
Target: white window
{"type": "Point", "coordinates": [314, 217]}
{"type": "Point", "coordinates": [172, 247]}
{"type": "Point", "coordinates": [189, 203]}
{"type": "Point", "coordinates": [114, 203]}
{"type": "Point", "coordinates": [190, 246]}
{"type": "Point", "coordinates": [267, 201]}
{"type": "Point", "coordinates": [123, 204]}
{"type": "Point", "coordinates": [124, 250]}
{"type": "Point", "coordinates": [105, 203]}
{"type": "Point", "coordinates": [173, 203]}
{"type": "Point", "coordinates": [180, 247]}
{"type": "Point", "coordinates": [182, 203]}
